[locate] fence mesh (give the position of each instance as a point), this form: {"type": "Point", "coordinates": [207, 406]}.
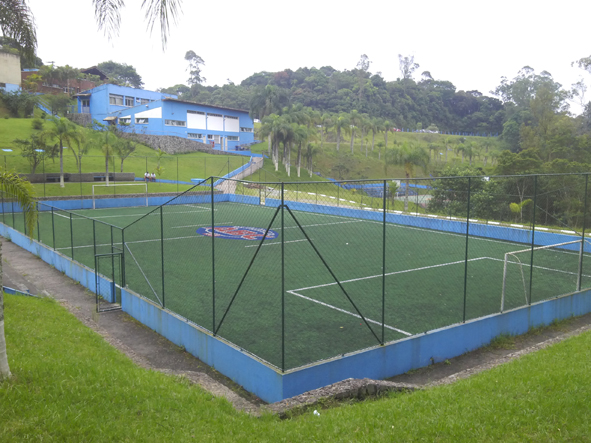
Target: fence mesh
{"type": "Point", "coordinates": [300, 272]}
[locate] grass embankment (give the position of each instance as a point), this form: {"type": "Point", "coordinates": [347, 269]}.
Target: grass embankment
{"type": "Point", "coordinates": [68, 384]}
{"type": "Point", "coordinates": [182, 167]}
{"type": "Point", "coordinates": [345, 165]}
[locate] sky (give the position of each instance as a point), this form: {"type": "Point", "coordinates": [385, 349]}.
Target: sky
{"type": "Point", "coordinates": [472, 44]}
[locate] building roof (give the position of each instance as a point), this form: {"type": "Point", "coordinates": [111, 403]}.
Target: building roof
{"type": "Point", "coordinates": [93, 70]}
{"type": "Point", "coordinates": [202, 104]}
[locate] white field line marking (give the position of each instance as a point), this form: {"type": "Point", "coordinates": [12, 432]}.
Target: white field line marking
{"type": "Point", "coordinates": [196, 226]}
{"type": "Point", "coordinates": [391, 273]}
{"type": "Point", "coordinates": [369, 320]}
{"type": "Point", "coordinates": [275, 243]}
{"type": "Point", "coordinates": [128, 215]}
{"type": "Point", "coordinates": [322, 224]}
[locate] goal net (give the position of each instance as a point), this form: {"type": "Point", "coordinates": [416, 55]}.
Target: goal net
{"type": "Point", "coordinates": [555, 266]}
{"type": "Point", "coordinates": [140, 188]}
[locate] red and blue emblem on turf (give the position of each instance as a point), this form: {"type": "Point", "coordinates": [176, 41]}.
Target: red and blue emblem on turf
{"type": "Point", "coordinates": [238, 233]}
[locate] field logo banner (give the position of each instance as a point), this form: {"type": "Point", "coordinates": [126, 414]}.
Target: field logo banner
{"type": "Point", "coordinates": [238, 233]}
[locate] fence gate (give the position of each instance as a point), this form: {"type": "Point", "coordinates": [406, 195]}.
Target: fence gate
{"type": "Point", "coordinates": [108, 274]}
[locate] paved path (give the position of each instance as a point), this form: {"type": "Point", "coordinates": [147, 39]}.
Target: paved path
{"type": "Point", "coordinates": [24, 271]}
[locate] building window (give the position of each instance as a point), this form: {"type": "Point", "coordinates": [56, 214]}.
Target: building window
{"type": "Point", "coordinates": [115, 99]}
{"type": "Point", "coordinates": [231, 116]}
{"type": "Point", "coordinates": [143, 101]}
{"type": "Point", "coordinates": [245, 129]}
{"type": "Point", "coordinates": [141, 121]}
{"type": "Point", "coordinates": [86, 103]}
{"type": "Point", "coordinates": [232, 138]}
{"type": "Point", "coordinates": [2, 85]}
{"type": "Point", "coordinates": [210, 136]}
{"type": "Point", "coordinates": [195, 112]}
{"type": "Point", "coordinates": [193, 135]}
{"type": "Point", "coordinates": [214, 115]}
{"type": "Point", "coordinates": [129, 101]}
{"type": "Point", "coordinates": [125, 120]}
{"type": "Point", "coordinates": [175, 123]}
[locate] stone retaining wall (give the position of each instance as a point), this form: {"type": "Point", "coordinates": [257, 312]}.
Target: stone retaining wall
{"type": "Point", "coordinates": [174, 145]}
{"type": "Point", "coordinates": [77, 178]}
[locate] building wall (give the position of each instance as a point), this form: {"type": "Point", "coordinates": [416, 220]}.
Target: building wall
{"type": "Point", "coordinates": [100, 106]}
{"type": "Point", "coordinates": [10, 71]}
{"type": "Point", "coordinates": [194, 121]}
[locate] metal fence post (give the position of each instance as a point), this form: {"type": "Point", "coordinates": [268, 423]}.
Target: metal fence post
{"type": "Point", "coordinates": [162, 251]}
{"type": "Point", "coordinates": [212, 256]}
{"type": "Point", "coordinates": [533, 243]}
{"type": "Point", "coordinates": [52, 228]}
{"type": "Point", "coordinates": [71, 237]}
{"type": "Point", "coordinates": [384, 266]}
{"type": "Point", "coordinates": [3, 220]}
{"type": "Point", "coordinates": [282, 277]}
{"type": "Point", "coordinates": [466, 257]}
{"type": "Point", "coordinates": [579, 282]}
{"type": "Point", "coordinates": [177, 174]}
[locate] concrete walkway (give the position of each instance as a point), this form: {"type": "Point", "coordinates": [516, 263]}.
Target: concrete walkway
{"type": "Point", "coordinates": [26, 272]}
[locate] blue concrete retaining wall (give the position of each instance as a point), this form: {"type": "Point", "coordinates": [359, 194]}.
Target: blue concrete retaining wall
{"type": "Point", "coordinates": [76, 271]}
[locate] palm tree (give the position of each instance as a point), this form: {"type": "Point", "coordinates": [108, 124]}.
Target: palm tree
{"type": "Point", "coordinates": [354, 120]}
{"type": "Point", "coordinates": [410, 156]}
{"type": "Point", "coordinates": [326, 122]}
{"type": "Point", "coordinates": [341, 123]}
{"type": "Point", "coordinates": [17, 23]}
{"type": "Point", "coordinates": [310, 151]}
{"type": "Point", "coordinates": [386, 129]}
{"type": "Point", "coordinates": [446, 142]}
{"type": "Point", "coordinates": [65, 131]}
{"type": "Point", "coordinates": [22, 191]}
{"type": "Point", "coordinates": [300, 136]}
{"type": "Point", "coordinates": [486, 144]}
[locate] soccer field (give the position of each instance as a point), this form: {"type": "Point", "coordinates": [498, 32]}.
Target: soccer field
{"type": "Point", "coordinates": [332, 296]}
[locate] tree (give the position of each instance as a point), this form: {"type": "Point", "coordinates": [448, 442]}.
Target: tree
{"type": "Point", "coordinates": [267, 100]}
{"type": "Point", "coordinates": [326, 123]}
{"type": "Point", "coordinates": [121, 74]}
{"type": "Point", "coordinates": [124, 149]}
{"type": "Point", "coordinates": [310, 151]}
{"type": "Point", "coordinates": [18, 24]}
{"type": "Point", "coordinates": [19, 102]}
{"type": "Point", "coordinates": [355, 120]}
{"type": "Point", "coordinates": [58, 104]}
{"type": "Point", "coordinates": [32, 149]}
{"type": "Point", "coordinates": [82, 146]}
{"type": "Point", "coordinates": [22, 191]}
{"type": "Point", "coordinates": [63, 130]}
{"type": "Point", "coordinates": [107, 15]}
{"type": "Point", "coordinates": [341, 123]}
{"type": "Point", "coordinates": [409, 156]}
{"type": "Point", "coordinates": [407, 66]}
{"type": "Point", "coordinates": [195, 62]}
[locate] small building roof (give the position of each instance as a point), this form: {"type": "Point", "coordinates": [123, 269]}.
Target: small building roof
{"type": "Point", "coordinates": [93, 70]}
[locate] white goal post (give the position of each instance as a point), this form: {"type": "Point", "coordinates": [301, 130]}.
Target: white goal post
{"type": "Point", "coordinates": [143, 185]}
{"type": "Point", "coordinates": [520, 264]}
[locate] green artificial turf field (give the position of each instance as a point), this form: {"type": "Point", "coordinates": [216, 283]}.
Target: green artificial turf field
{"type": "Point", "coordinates": [168, 255]}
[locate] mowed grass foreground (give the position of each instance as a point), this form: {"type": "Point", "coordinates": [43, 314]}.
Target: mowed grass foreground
{"type": "Point", "coordinates": [68, 384]}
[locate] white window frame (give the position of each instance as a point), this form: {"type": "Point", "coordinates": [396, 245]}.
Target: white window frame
{"type": "Point", "coordinates": [210, 136]}
{"type": "Point", "coordinates": [194, 136]}
{"type": "Point", "coordinates": [232, 138]}
{"type": "Point", "coordinates": [141, 121]}
{"type": "Point", "coordinates": [125, 120]}
{"type": "Point", "coordinates": [246, 129]}
{"type": "Point", "coordinates": [129, 101]}
{"type": "Point", "coordinates": [144, 101]}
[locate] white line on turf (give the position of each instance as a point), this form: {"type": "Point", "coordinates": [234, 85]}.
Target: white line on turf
{"type": "Point", "coordinates": [391, 273]}
{"type": "Point", "coordinates": [133, 242]}
{"type": "Point", "coordinates": [197, 226]}
{"type": "Point", "coordinates": [275, 243]}
{"type": "Point", "coordinates": [369, 320]}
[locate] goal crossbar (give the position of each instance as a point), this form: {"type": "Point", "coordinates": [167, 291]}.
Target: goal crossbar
{"type": "Point", "coordinates": [520, 264]}
{"type": "Point", "coordinates": [144, 185]}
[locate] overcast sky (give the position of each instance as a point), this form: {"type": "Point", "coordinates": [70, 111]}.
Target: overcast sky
{"type": "Point", "coordinates": [472, 44]}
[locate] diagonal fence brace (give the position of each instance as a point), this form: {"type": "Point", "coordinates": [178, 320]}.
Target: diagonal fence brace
{"type": "Point", "coordinates": [247, 269]}
{"type": "Point", "coordinates": [333, 275]}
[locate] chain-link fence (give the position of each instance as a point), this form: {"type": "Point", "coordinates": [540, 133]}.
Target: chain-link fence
{"type": "Point", "coordinates": [300, 272]}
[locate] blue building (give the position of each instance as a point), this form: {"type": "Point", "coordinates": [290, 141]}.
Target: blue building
{"type": "Point", "coordinates": [157, 113]}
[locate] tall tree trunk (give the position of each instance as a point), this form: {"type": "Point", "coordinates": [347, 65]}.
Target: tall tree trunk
{"type": "Point", "coordinates": [299, 158]}
{"type": "Point", "coordinates": [338, 138]}
{"type": "Point", "coordinates": [386, 137]}
{"type": "Point", "coordinates": [107, 169]}
{"type": "Point", "coordinates": [122, 165]}
{"type": "Point", "coordinates": [373, 140]}
{"type": "Point", "coordinates": [62, 185]}
{"type": "Point", "coordinates": [321, 138]}
{"type": "Point", "coordinates": [352, 137]}
{"type": "Point", "coordinates": [269, 144]}
{"type": "Point", "coordinates": [4, 368]}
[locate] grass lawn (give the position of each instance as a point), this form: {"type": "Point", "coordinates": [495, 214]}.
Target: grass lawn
{"type": "Point", "coordinates": [68, 384]}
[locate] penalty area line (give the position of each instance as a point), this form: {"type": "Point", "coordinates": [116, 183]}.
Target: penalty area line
{"type": "Point", "coordinates": [369, 320]}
